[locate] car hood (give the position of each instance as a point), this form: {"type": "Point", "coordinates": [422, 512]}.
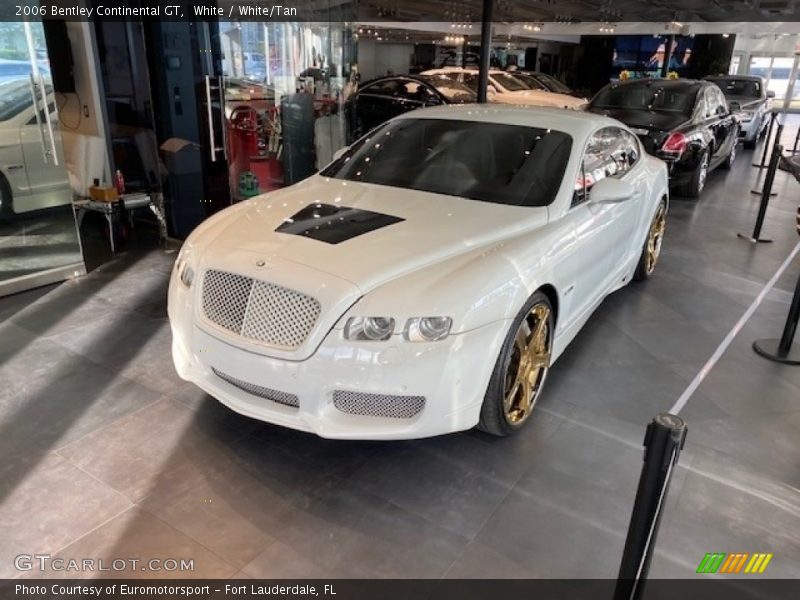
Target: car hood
{"type": "Point", "coordinates": [645, 119]}
{"type": "Point", "coordinates": [405, 229]}
{"type": "Point", "coordinates": [539, 98]}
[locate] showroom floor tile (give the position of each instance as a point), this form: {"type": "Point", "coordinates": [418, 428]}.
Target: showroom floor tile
{"type": "Point", "coordinates": [107, 453]}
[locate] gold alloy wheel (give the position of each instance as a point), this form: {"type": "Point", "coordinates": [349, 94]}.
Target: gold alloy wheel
{"type": "Point", "coordinates": [655, 238]}
{"type": "Point", "coordinates": [530, 360]}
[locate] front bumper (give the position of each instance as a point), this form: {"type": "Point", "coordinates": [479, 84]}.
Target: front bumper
{"type": "Point", "coordinates": [749, 130]}
{"type": "Point", "coordinates": [452, 375]}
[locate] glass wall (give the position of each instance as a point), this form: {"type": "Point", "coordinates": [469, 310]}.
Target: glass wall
{"type": "Point", "coordinates": [284, 89]}
{"type": "Point", "coordinates": [38, 238]}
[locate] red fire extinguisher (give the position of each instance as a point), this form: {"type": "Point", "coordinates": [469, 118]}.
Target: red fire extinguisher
{"type": "Point", "coordinates": [119, 182]}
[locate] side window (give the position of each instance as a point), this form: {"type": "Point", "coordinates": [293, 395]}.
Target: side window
{"type": "Point", "coordinates": [721, 100]}
{"type": "Point", "coordinates": [383, 88]}
{"type": "Point", "coordinates": [412, 90]}
{"type": "Point", "coordinates": [711, 103]}
{"type": "Point", "coordinates": [610, 152]}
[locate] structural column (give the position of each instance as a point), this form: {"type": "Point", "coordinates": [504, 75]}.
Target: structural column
{"type": "Point", "coordinates": [486, 49]}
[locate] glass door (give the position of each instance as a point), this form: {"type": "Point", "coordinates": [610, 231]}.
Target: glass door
{"type": "Point", "coordinates": [39, 241]}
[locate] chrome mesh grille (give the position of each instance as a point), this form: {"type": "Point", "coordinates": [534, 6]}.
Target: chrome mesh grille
{"type": "Point", "coordinates": [256, 390]}
{"type": "Point", "coordinates": [378, 405]}
{"type": "Point", "coordinates": [258, 310]}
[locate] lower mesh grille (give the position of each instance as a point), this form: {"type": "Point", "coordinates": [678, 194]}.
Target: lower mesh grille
{"type": "Point", "coordinates": [262, 392]}
{"type": "Point", "coordinates": [378, 405]}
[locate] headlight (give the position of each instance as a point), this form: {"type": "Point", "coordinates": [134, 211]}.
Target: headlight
{"type": "Point", "coordinates": [185, 272]}
{"type": "Point", "coordinates": [369, 328]}
{"type": "Point", "coordinates": [747, 115]}
{"type": "Point", "coordinates": [427, 329]}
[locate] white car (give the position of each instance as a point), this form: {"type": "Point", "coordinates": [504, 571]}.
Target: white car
{"type": "Point", "coordinates": [506, 88]}
{"type": "Point", "coordinates": [425, 280]}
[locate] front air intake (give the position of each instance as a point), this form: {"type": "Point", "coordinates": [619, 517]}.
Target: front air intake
{"type": "Point", "coordinates": [276, 396]}
{"type": "Point", "coordinates": [378, 405]}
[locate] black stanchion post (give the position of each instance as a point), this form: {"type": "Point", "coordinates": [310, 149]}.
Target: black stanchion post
{"type": "Point", "coordinates": [757, 192]}
{"type": "Point", "coordinates": [766, 192]}
{"type": "Point", "coordinates": [784, 350]}
{"type": "Point", "coordinates": [762, 164]}
{"type": "Point", "coordinates": [663, 442]}
{"type": "Point", "coordinates": [796, 141]}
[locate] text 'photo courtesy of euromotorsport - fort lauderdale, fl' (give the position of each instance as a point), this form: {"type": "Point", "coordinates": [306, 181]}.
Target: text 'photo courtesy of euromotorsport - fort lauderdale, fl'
{"type": "Point", "coordinates": [361, 299]}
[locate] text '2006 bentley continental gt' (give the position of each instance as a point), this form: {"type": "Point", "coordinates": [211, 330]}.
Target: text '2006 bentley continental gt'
{"type": "Point", "coordinates": [426, 280]}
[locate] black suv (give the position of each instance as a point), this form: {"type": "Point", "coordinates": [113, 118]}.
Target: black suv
{"type": "Point", "coordinates": [685, 122]}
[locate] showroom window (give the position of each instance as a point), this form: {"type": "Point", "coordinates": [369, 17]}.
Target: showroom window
{"type": "Point", "coordinates": [610, 152]}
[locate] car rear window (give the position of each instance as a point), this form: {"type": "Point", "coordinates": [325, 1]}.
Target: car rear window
{"type": "Point", "coordinates": [647, 96]}
{"type": "Point", "coordinates": [490, 162]}
{"type": "Point", "coordinates": [742, 88]}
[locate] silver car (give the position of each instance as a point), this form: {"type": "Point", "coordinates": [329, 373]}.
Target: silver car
{"type": "Point", "coordinates": [29, 178]}
{"type": "Point", "coordinates": [749, 99]}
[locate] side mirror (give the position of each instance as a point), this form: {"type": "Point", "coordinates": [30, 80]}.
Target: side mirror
{"type": "Point", "coordinates": [735, 106]}
{"type": "Point", "coordinates": [611, 191]}
{"type": "Point", "coordinates": [770, 94]}
{"type": "Point", "coordinates": [490, 89]}
{"type": "Point", "coordinates": [340, 152]}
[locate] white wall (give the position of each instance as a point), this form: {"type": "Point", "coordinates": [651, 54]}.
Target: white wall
{"type": "Point", "coordinates": [378, 58]}
{"type": "Point", "coordinates": [80, 117]}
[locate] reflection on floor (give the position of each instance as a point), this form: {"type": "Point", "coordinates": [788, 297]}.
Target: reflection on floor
{"type": "Point", "coordinates": [107, 454]}
{"type": "Point", "coordinates": [46, 240]}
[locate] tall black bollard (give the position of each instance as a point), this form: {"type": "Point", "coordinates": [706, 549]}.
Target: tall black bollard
{"type": "Point", "coordinates": [778, 133]}
{"type": "Point", "coordinates": [663, 443]}
{"type": "Point", "coordinates": [796, 141]}
{"type": "Point", "coordinates": [766, 192]}
{"type": "Point", "coordinates": [784, 350]}
{"type": "Point", "coordinates": [762, 164]}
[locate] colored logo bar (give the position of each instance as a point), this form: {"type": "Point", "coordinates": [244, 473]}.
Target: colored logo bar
{"type": "Point", "coordinates": [734, 563]}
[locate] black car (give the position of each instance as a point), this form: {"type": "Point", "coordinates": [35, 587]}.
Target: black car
{"type": "Point", "coordinates": [381, 99]}
{"type": "Point", "coordinates": [685, 122]}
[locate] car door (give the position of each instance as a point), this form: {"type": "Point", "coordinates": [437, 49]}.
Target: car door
{"type": "Point", "coordinates": [47, 179]}
{"type": "Point", "coordinates": [719, 122]}
{"type": "Point", "coordinates": [374, 105]}
{"type": "Point", "coordinates": [604, 233]}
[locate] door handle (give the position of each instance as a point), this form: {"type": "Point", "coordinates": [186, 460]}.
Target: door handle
{"type": "Point", "coordinates": [221, 83]}
{"type": "Point", "coordinates": [212, 142]}
{"type": "Point", "coordinates": [35, 98]}
{"type": "Point", "coordinates": [47, 119]}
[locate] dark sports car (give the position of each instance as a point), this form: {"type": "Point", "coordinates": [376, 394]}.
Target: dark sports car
{"type": "Point", "coordinates": [685, 122]}
{"type": "Point", "coordinates": [381, 99]}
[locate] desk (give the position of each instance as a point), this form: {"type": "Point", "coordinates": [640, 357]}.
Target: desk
{"type": "Point", "coordinates": [112, 211]}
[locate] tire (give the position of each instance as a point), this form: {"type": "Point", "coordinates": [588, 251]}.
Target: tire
{"type": "Point", "coordinates": [727, 164]}
{"type": "Point", "coordinates": [652, 245]}
{"type": "Point", "coordinates": [504, 409]}
{"type": "Point", "coordinates": [697, 183]}
{"type": "Point", "coordinates": [6, 209]}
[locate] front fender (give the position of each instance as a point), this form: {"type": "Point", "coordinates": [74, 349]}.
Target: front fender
{"type": "Point", "coordinates": [475, 289]}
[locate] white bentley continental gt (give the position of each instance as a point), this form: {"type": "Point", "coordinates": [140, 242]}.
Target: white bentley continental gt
{"type": "Point", "coordinates": [426, 280]}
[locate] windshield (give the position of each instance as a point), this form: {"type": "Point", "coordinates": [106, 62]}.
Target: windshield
{"type": "Point", "coordinates": [531, 82]}
{"type": "Point", "coordinates": [552, 83]}
{"type": "Point", "coordinates": [654, 97]}
{"type": "Point", "coordinates": [454, 91]}
{"type": "Point", "coordinates": [491, 162]}
{"type": "Point", "coordinates": [742, 88]}
{"type": "Point", "coordinates": [509, 82]}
